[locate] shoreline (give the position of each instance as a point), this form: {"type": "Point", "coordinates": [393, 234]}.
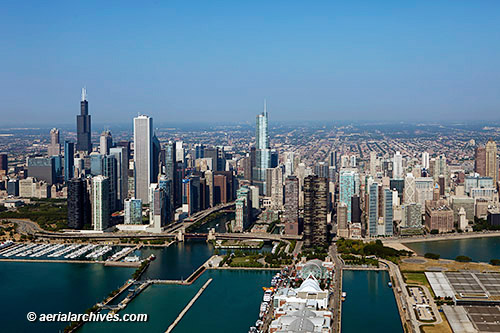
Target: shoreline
{"type": "Point", "coordinates": [443, 237]}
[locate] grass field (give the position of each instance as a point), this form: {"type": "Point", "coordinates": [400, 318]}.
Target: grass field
{"type": "Point", "coordinates": [416, 278]}
{"type": "Point", "coordinates": [444, 327]}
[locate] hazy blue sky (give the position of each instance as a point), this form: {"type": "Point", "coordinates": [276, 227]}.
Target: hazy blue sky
{"type": "Point", "coordinates": [217, 60]}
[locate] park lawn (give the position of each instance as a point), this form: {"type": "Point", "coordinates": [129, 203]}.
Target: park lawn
{"type": "Point", "coordinates": [416, 278]}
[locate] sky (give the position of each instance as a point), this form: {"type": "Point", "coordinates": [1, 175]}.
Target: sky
{"type": "Point", "coordinates": [216, 61]}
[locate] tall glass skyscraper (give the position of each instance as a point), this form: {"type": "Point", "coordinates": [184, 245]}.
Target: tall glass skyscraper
{"type": "Point", "coordinates": [349, 186]}
{"type": "Point", "coordinates": [143, 156]}
{"type": "Point", "coordinates": [83, 127]}
{"type": "Point", "coordinates": [263, 152]}
{"type": "Point", "coordinates": [69, 160]}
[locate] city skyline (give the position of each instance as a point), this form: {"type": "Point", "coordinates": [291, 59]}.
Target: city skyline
{"type": "Point", "coordinates": [329, 61]}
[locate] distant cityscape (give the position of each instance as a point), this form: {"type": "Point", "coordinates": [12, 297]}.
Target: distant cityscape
{"type": "Point", "coordinates": [309, 201]}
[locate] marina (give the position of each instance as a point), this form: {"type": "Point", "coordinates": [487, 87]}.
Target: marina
{"type": "Point", "coordinates": [61, 252]}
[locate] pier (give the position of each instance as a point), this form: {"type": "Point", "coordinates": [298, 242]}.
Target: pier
{"type": "Point", "coordinates": [126, 253]}
{"type": "Point", "coordinates": [188, 306]}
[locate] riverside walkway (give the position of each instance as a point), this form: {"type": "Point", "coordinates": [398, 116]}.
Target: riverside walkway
{"type": "Point", "coordinates": [188, 306]}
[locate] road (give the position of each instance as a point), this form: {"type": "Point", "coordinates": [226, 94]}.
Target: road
{"type": "Point", "coordinates": [336, 290]}
{"type": "Point", "coordinates": [26, 226]}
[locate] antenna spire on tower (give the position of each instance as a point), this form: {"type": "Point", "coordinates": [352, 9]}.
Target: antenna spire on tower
{"type": "Point", "coordinates": [265, 106]}
{"type": "Point", "coordinates": [84, 94]}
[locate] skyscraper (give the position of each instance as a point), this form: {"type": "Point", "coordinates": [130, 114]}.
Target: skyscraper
{"type": "Point", "coordinates": [121, 156]}
{"type": "Point", "coordinates": [143, 156]}
{"type": "Point", "coordinates": [69, 160]}
{"type": "Point", "coordinates": [100, 203]}
{"type": "Point", "coordinates": [349, 180]}
{"type": "Point", "coordinates": [78, 204]}
{"type": "Point", "coordinates": [83, 128]}
{"type": "Point", "coordinates": [425, 160]}
{"type": "Point", "coordinates": [315, 210]}
{"type": "Point", "coordinates": [492, 161]}
{"type": "Point", "coordinates": [398, 165]}
{"type": "Point", "coordinates": [291, 215]}
{"type": "Point", "coordinates": [157, 208]}
{"type": "Point", "coordinates": [480, 161]}
{"type": "Point", "coordinates": [373, 209]}
{"type": "Point", "coordinates": [54, 146]}
{"type": "Point", "coordinates": [263, 151]}
{"type": "Point", "coordinates": [388, 213]}
{"type": "Point", "coordinates": [110, 170]}
{"type": "Point", "coordinates": [105, 142]}
{"type": "Point", "coordinates": [4, 162]}
{"type": "Point", "coordinates": [342, 226]}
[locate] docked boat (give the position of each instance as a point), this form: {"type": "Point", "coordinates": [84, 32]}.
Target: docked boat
{"type": "Point", "coordinates": [389, 284]}
{"type": "Point", "coordinates": [344, 295]}
{"type": "Point", "coordinates": [152, 257]}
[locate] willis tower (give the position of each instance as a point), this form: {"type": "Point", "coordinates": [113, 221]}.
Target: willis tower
{"type": "Point", "coordinates": [83, 126]}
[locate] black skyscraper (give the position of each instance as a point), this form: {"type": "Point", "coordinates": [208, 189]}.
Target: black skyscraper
{"type": "Point", "coordinates": [83, 126]}
{"type": "Point", "coordinates": [78, 204]}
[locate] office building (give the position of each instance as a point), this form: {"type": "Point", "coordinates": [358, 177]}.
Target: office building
{"type": "Point", "coordinates": [13, 187]}
{"type": "Point", "coordinates": [480, 161]}
{"type": "Point", "coordinates": [54, 146]}
{"type": "Point", "coordinates": [492, 161]}
{"type": "Point", "coordinates": [143, 156]}
{"type": "Point", "coordinates": [4, 163]}
{"type": "Point", "coordinates": [83, 126]}
{"type": "Point", "coordinates": [398, 166]}
{"type": "Point", "coordinates": [42, 168]}
{"type": "Point", "coordinates": [69, 160]}
{"type": "Point", "coordinates": [105, 142]}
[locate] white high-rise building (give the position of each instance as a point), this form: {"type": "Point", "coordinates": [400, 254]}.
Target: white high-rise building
{"type": "Point", "coordinates": [143, 156]}
{"type": "Point", "coordinates": [425, 160]}
{"type": "Point", "coordinates": [179, 151]}
{"type": "Point", "coordinates": [100, 203]}
{"type": "Point", "coordinates": [398, 165]}
{"type": "Point", "coordinates": [410, 191]}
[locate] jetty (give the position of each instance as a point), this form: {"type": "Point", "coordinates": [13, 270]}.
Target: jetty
{"type": "Point", "coordinates": [188, 306]}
